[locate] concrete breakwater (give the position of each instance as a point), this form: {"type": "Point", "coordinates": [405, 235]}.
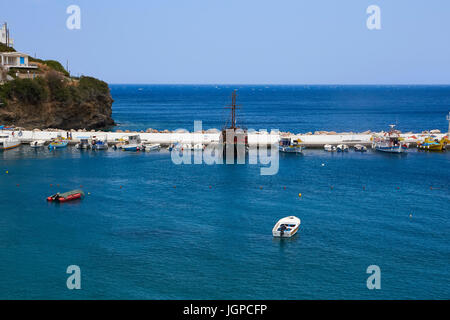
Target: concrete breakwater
{"type": "Point", "coordinates": [316, 140]}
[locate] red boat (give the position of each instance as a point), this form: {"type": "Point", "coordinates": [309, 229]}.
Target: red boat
{"type": "Point", "coordinates": [66, 196]}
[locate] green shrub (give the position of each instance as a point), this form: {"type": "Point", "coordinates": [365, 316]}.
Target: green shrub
{"type": "Point", "coordinates": [52, 64]}
{"type": "Point", "coordinates": [32, 91]}
{"type": "Point", "coordinates": [91, 87]}
{"type": "Point", "coordinates": [4, 48]}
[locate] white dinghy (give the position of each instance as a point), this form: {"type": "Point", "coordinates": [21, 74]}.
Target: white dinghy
{"type": "Point", "coordinates": [286, 227]}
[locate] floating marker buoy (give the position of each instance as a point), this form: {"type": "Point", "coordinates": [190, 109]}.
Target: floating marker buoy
{"type": "Point", "coordinates": [89, 193]}
{"type": "Point", "coordinates": [300, 195]}
{"type": "Point", "coordinates": [410, 215]}
{"type": "Point", "coordinates": [323, 164]}
{"type": "Point", "coordinates": [6, 171]}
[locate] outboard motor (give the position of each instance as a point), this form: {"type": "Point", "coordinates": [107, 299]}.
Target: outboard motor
{"type": "Point", "coordinates": [282, 228]}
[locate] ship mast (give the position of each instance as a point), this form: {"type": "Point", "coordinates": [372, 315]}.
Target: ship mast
{"type": "Point", "coordinates": [233, 106]}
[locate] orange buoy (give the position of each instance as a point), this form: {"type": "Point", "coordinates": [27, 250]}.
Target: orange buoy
{"type": "Point", "coordinates": [300, 195]}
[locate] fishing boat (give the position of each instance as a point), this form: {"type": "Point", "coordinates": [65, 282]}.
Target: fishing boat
{"type": "Point", "coordinates": [390, 143]}
{"type": "Point", "coordinates": [8, 142]}
{"type": "Point", "coordinates": [286, 227]}
{"type": "Point", "coordinates": [152, 147]}
{"type": "Point", "coordinates": [66, 196]}
{"type": "Point", "coordinates": [360, 148]}
{"type": "Point", "coordinates": [37, 143]}
{"type": "Point", "coordinates": [57, 144]}
{"type": "Point", "coordinates": [342, 148]}
{"type": "Point", "coordinates": [432, 145]}
{"type": "Point", "coordinates": [133, 144]}
{"type": "Point", "coordinates": [83, 144]}
{"type": "Point", "coordinates": [290, 145]}
{"type": "Point", "coordinates": [98, 144]}
{"type": "Point", "coordinates": [329, 148]}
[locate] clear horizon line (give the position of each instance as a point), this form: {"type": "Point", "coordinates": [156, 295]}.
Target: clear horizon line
{"type": "Point", "coordinates": [282, 84]}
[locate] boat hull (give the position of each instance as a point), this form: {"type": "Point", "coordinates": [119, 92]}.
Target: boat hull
{"type": "Point", "coordinates": [290, 149]}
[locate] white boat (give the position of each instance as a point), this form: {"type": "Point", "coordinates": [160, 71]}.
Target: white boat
{"type": "Point", "coordinates": [286, 227]}
{"type": "Point", "coordinates": [8, 142]}
{"type": "Point", "coordinates": [290, 145]}
{"type": "Point", "coordinates": [329, 148]}
{"type": "Point", "coordinates": [37, 143]}
{"type": "Point", "coordinates": [133, 144]}
{"type": "Point", "coordinates": [342, 148]}
{"type": "Point", "coordinates": [360, 148]}
{"type": "Point", "coordinates": [98, 144]}
{"type": "Point", "coordinates": [152, 147]}
{"type": "Point", "coordinates": [84, 143]}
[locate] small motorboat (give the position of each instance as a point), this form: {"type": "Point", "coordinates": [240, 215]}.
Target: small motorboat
{"type": "Point", "coordinates": [360, 148]}
{"type": "Point", "coordinates": [66, 196]}
{"type": "Point", "coordinates": [57, 144]}
{"type": "Point", "coordinates": [286, 227]}
{"type": "Point", "coordinates": [342, 148]}
{"type": "Point", "coordinates": [98, 144]}
{"type": "Point", "coordinates": [133, 144]}
{"type": "Point", "coordinates": [329, 148]}
{"type": "Point", "coordinates": [290, 145]}
{"type": "Point", "coordinates": [152, 147]}
{"type": "Point", "coordinates": [37, 143]}
{"type": "Point", "coordinates": [84, 144]}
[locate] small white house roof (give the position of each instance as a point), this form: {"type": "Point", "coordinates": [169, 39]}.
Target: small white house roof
{"type": "Point", "coordinates": [14, 54]}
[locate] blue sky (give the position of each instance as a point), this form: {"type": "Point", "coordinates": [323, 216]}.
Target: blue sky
{"type": "Point", "coordinates": [240, 41]}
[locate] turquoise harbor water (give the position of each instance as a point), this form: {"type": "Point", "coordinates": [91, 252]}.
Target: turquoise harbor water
{"type": "Point", "coordinates": [150, 229]}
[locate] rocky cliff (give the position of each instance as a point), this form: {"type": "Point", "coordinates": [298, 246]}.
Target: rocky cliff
{"type": "Point", "coordinates": [53, 100]}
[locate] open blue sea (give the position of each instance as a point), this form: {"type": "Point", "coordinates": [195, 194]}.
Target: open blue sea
{"type": "Point", "coordinates": [150, 229]}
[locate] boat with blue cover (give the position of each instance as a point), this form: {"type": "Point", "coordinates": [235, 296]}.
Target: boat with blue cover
{"type": "Point", "coordinates": [57, 144]}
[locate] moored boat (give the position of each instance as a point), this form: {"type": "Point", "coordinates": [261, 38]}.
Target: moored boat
{"type": "Point", "coordinates": [342, 148]}
{"type": "Point", "coordinates": [98, 144]}
{"type": "Point", "coordinates": [152, 147]}
{"type": "Point", "coordinates": [432, 145]}
{"type": "Point", "coordinates": [57, 144]}
{"type": "Point", "coordinates": [329, 148]}
{"type": "Point", "coordinates": [84, 143]}
{"type": "Point", "coordinates": [133, 144]}
{"type": "Point", "coordinates": [8, 142]}
{"type": "Point", "coordinates": [37, 143]}
{"type": "Point", "coordinates": [360, 148]}
{"type": "Point", "coordinates": [390, 143]}
{"type": "Point", "coordinates": [290, 145]}
{"type": "Point", "coordinates": [286, 227]}
{"type": "Point", "coordinates": [66, 196]}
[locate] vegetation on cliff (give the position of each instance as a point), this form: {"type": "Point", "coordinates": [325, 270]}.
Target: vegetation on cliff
{"type": "Point", "coordinates": [50, 98]}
